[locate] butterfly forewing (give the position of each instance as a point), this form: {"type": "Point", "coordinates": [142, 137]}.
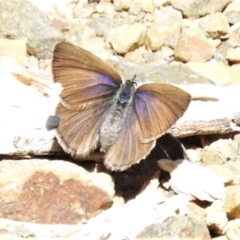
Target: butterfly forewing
{"type": "Point", "coordinates": [158, 107]}
{"type": "Point", "coordinates": [70, 56]}
{"type": "Point", "coordinates": [84, 77]}
{"type": "Point", "coordinates": [127, 150]}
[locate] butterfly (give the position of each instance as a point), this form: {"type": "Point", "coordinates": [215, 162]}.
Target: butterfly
{"type": "Point", "coordinates": [97, 110]}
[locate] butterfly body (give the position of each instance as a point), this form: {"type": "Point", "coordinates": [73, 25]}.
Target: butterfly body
{"type": "Point", "coordinates": [115, 119]}
{"type": "Point", "coordinates": [97, 110]}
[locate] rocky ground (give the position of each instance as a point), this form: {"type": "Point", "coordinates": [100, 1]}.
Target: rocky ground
{"type": "Point", "coordinates": [44, 194]}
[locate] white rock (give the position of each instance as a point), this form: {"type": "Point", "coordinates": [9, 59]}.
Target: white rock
{"type": "Point", "coordinates": [214, 25]}
{"type": "Point", "coordinates": [193, 180]}
{"type": "Point", "coordinates": [121, 5]}
{"type": "Point", "coordinates": [216, 217]}
{"type": "Point", "coordinates": [126, 222]}
{"type": "Point", "coordinates": [233, 230]}
{"type": "Point", "coordinates": [219, 73]}
{"type": "Point", "coordinates": [147, 6]}
{"type": "Point", "coordinates": [127, 37]}
{"type": "Point", "coordinates": [159, 3]}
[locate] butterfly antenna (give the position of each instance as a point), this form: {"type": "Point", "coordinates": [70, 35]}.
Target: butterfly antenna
{"type": "Point", "coordinates": [115, 53]}
{"type": "Point", "coordinates": [154, 68]}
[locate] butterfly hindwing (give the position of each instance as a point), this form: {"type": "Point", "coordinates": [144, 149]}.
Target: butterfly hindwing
{"type": "Point", "coordinates": [128, 150]}
{"type": "Point", "coordinates": [78, 131]}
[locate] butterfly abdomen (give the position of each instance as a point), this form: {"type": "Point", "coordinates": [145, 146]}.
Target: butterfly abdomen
{"type": "Point", "coordinates": [111, 128]}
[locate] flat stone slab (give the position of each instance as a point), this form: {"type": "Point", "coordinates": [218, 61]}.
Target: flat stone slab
{"type": "Point", "coordinates": [25, 108]}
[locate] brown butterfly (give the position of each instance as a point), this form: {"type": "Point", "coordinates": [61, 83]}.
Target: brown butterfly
{"type": "Point", "coordinates": [99, 111]}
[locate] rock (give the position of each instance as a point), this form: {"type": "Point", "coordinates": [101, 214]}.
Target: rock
{"type": "Point", "coordinates": [61, 13]}
{"type": "Point", "coordinates": [193, 45]}
{"type": "Point", "coordinates": [232, 201]}
{"type": "Point", "coordinates": [127, 37]}
{"type": "Point", "coordinates": [233, 230]}
{"type": "Point", "coordinates": [15, 230]}
{"type": "Point", "coordinates": [197, 208]}
{"type": "Point", "coordinates": [19, 107]}
{"type": "Point", "coordinates": [137, 56]}
{"type": "Point", "coordinates": [220, 53]}
{"type": "Point", "coordinates": [234, 38]}
{"type": "Point", "coordinates": [163, 33]}
{"type": "Point", "coordinates": [223, 172]}
{"type": "Point", "coordinates": [51, 192]}
{"type": "Point", "coordinates": [80, 37]}
{"type": "Point", "coordinates": [105, 8]}
{"type": "Point", "coordinates": [87, 39]}
{"type": "Point", "coordinates": [83, 11]}
{"type": "Point", "coordinates": [121, 5]}
{"type": "Point", "coordinates": [23, 20]}
{"type": "Point", "coordinates": [216, 218]}
{"type": "Point", "coordinates": [13, 49]}
{"type": "Point", "coordinates": [159, 3]}
{"type": "Point", "coordinates": [194, 154]}
{"type": "Point", "coordinates": [176, 74]}
{"type": "Point", "coordinates": [135, 7]}
{"type": "Point", "coordinates": [234, 168]}
{"type": "Point", "coordinates": [219, 151]}
{"type": "Point", "coordinates": [236, 139]}
{"type": "Point", "coordinates": [167, 14]}
{"type": "Point", "coordinates": [232, 12]}
{"type": "Point", "coordinates": [103, 25]}
{"type": "Point", "coordinates": [233, 55]}
{"type": "Point", "coordinates": [187, 178]}
{"type": "Point", "coordinates": [165, 29]}
{"type": "Point", "coordinates": [157, 208]}
{"type": "Point", "coordinates": [194, 8]}
{"type": "Point", "coordinates": [149, 18]}
{"type": "Point", "coordinates": [219, 73]}
{"type": "Point", "coordinates": [214, 25]}
{"type": "Point", "coordinates": [171, 74]}
{"type": "Point", "coordinates": [147, 6]}
{"type": "Point", "coordinates": [185, 227]}
{"type": "Point", "coordinates": [166, 52]}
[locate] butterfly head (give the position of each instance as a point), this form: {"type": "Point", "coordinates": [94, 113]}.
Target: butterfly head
{"type": "Point", "coordinates": [127, 91]}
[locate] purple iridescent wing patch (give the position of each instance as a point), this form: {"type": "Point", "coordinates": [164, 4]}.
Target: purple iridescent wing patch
{"type": "Point", "coordinates": [158, 107]}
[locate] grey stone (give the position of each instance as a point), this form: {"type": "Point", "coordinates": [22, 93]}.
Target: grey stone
{"type": "Point", "coordinates": [232, 12]}
{"type": "Point", "coordinates": [190, 227]}
{"type": "Point", "coordinates": [103, 25]}
{"type": "Point", "coordinates": [199, 8]}
{"type": "Point", "coordinates": [23, 20]}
